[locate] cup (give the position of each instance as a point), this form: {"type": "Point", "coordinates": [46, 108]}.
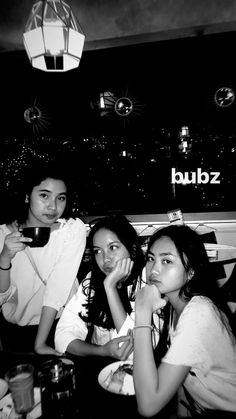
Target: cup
{"type": "Point", "coordinates": [20, 380]}
{"type": "Point", "coordinates": [39, 235]}
{"type": "Point", "coordinates": [58, 389]}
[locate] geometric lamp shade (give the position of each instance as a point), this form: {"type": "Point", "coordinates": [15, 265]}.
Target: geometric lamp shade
{"type": "Point", "coordinates": [53, 37]}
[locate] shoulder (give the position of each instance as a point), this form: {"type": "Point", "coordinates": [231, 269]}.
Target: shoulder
{"type": "Point", "coordinates": [199, 316]}
{"type": "Point", "coordinates": [200, 306]}
{"type": "Point", "coordinates": [71, 227]}
{"type": "Point", "coordinates": [71, 223]}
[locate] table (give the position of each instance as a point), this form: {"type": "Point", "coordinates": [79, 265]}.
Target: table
{"type": "Point", "coordinates": [224, 257]}
{"type": "Point", "coordinates": [93, 400]}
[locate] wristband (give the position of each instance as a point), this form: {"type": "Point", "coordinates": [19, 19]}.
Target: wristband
{"type": "Point", "coordinates": [6, 269]}
{"type": "Point", "coordinates": [144, 325]}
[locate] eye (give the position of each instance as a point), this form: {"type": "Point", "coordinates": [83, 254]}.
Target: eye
{"type": "Point", "coordinates": [166, 261]}
{"type": "Point", "coordinates": [97, 251]}
{"type": "Point", "coordinates": [62, 198]}
{"type": "Point", "coordinates": [149, 258]}
{"type": "Point", "coordinates": [114, 247]}
{"type": "Point", "coordinates": [43, 195]}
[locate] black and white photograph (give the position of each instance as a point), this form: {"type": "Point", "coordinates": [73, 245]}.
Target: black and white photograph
{"type": "Point", "coordinates": [117, 209]}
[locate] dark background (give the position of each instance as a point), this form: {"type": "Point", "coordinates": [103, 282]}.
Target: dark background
{"type": "Point", "coordinates": [171, 83]}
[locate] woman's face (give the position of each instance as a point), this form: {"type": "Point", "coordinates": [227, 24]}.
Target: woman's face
{"type": "Point", "coordinates": [47, 202]}
{"type": "Point", "coordinates": [108, 249]}
{"type": "Point", "coordinates": [164, 267]}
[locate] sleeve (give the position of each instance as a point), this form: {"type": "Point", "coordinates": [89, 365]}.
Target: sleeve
{"type": "Point", "coordinates": [193, 337]}
{"type": "Point", "coordinates": [5, 296]}
{"type": "Point", "coordinates": [66, 268]}
{"type": "Point", "coordinates": [70, 326]}
{"type": "Point", "coordinates": [2, 238]}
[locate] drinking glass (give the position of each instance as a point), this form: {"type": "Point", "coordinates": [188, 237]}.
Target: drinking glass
{"type": "Point", "coordinates": [58, 389]}
{"type": "Point", "coordinates": [20, 381]}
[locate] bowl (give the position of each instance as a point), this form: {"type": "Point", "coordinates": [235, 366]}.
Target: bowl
{"type": "Point", "coordinates": [39, 235]}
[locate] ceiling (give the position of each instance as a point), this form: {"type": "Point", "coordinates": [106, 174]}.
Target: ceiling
{"type": "Point", "coordinates": [109, 23]}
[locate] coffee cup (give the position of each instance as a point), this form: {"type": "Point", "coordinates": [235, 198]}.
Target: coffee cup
{"type": "Point", "coordinates": [39, 235]}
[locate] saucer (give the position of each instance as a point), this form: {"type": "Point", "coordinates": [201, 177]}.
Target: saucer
{"type": "Point", "coordinates": [7, 410]}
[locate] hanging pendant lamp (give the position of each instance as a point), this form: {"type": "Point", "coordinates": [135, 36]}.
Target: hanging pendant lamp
{"type": "Point", "coordinates": [53, 38]}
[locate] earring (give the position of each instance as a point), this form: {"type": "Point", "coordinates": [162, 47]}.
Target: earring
{"type": "Point", "coordinates": [26, 199]}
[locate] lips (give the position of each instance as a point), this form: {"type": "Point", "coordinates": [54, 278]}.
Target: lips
{"type": "Point", "coordinates": [107, 269]}
{"type": "Point", "coordinates": [153, 280]}
{"type": "Point", "coordinates": [50, 216]}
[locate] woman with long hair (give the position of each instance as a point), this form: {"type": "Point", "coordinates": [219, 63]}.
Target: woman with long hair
{"type": "Point", "coordinates": [98, 317]}
{"type": "Point", "coordinates": [200, 344]}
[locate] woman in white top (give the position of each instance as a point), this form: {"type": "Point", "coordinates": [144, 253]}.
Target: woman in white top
{"type": "Point", "coordinates": [102, 309]}
{"type": "Point", "coordinates": [36, 282]}
{"type": "Point", "coordinates": [201, 355]}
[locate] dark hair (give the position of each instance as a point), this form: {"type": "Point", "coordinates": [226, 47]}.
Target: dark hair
{"type": "Point", "coordinates": [194, 258]}
{"type": "Point", "coordinates": [98, 311]}
{"type": "Point", "coordinates": [193, 255]}
{"type": "Point", "coordinates": [33, 176]}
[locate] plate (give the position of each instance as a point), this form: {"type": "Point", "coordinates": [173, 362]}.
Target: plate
{"type": "Point", "coordinates": [7, 410]}
{"type": "Point", "coordinates": [3, 388]}
{"type": "Point", "coordinates": [105, 375]}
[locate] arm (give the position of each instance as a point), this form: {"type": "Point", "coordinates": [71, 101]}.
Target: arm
{"type": "Point", "coordinates": [119, 348]}
{"type": "Point", "coordinates": [13, 243]}
{"type": "Point", "coordinates": [154, 387]}
{"type": "Point", "coordinates": [72, 330]}
{"type": "Point", "coordinates": [47, 318]}
{"type": "Point", "coordinates": [111, 282]}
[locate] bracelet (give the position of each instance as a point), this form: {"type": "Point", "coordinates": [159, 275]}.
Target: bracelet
{"type": "Point", "coordinates": [6, 269]}
{"type": "Point", "coordinates": [144, 325]}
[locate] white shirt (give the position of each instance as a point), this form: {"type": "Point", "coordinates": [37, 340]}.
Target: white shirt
{"type": "Point", "coordinates": [57, 262]}
{"type": "Point", "coordinates": [201, 342]}
{"type": "Point", "coordinates": [71, 327]}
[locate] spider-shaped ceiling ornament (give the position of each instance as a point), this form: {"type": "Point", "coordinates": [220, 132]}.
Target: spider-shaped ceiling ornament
{"type": "Point", "coordinates": [37, 117]}
{"type": "Point", "coordinates": [224, 97]}
{"type": "Point", "coordinates": [122, 105]}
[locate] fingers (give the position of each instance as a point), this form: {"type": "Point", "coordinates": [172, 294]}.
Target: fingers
{"type": "Point", "coordinates": [25, 239]}
{"type": "Point", "coordinates": [125, 267]}
{"type": "Point", "coordinates": [15, 239]}
{"type": "Point", "coordinates": [126, 349]}
{"type": "Point", "coordinates": [122, 339]}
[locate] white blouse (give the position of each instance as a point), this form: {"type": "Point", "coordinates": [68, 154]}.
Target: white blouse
{"type": "Point", "coordinates": [57, 262]}
{"type": "Point", "coordinates": [71, 327]}
{"type": "Point", "coordinates": [201, 342]}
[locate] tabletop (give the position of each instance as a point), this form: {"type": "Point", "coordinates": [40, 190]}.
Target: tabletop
{"type": "Point", "coordinates": [224, 257]}
{"type": "Point", "coordinates": [93, 400]}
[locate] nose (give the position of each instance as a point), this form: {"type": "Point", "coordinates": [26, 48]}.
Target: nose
{"type": "Point", "coordinates": [52, 204]}
{"type": "Point", "coordinates": [155, 269]}
{"type": "Point", "coordinates": [106, 258]}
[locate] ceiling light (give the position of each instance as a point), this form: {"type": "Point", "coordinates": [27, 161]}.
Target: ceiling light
{"type": "Point", "coordinates": [53, 38]}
